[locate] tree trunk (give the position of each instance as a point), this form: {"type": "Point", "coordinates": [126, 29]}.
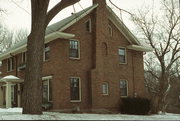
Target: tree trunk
{"type": "Point", "coordinates": [32, 92]}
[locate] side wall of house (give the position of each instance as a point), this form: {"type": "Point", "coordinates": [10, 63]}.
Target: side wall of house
{"type": "Point", "coordinates": [107, 68]}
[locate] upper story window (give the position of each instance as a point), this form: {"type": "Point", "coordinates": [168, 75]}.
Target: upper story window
{"type": "Point", "coordinates": [46, 52]}
{"type": "Point", "coordinates": [47, 90]}
{"type": "Point", "coordinates": [24, 57]}
{"type": "Point", "coordinates": [75, 89]}
{"type": "Point", "coordinates": [123, 88]}
{"type": "Point", "coordinates": [105, 89]}
{"type": "Point", "coordinates": [74, 49]}
{"type": "Point", "coordinates": [110, 30]}
{"type": "Point", "coordinates": [122, 55]}
{"type": "Point", "coordinates": [10, 64]}
{"type": "Point", "coordinates": [88, 25]}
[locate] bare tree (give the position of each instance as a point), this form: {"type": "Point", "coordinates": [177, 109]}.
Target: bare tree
{"type": "Point", "coordinates": [32, 92]}
{"type": "Point", "coordinates": [9, 38]}
{"type": "Point", "coordinates": [162, 32]}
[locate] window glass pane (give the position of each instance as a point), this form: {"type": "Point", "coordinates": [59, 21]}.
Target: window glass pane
{"type": "Point", "coordinates": [46, 52]}
{"type": "Point", "coordinates": [122, 55]}
{"type": "Point", "coordinates": [74, 49]}
{"type": "Point", "coordinates": [45, 91]}
{"type": "Point", "coordinates": [88, 26]}
{"type": "Point", "coordinates": [12, 93]}
{"type": "Point", "coordinates": [105, 88]}
{"type": "Point", "coordinates": [75, 89]}
{"type": "Point", "coordinates": [123, 88]}
{"type": "Point", "coordinates": [50, 90]}
{"type": "Point", "coordinates": [12, 62]}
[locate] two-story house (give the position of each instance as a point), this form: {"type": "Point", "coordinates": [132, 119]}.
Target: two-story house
{"type": "Point", "coordinates": [91, 61]}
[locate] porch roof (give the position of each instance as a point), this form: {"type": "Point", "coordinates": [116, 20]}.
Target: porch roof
{"type": "Point", "coordinates": [11, 78]}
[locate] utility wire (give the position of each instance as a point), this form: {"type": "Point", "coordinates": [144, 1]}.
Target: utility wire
{"type": "Point", "coordinates": [30, 14]}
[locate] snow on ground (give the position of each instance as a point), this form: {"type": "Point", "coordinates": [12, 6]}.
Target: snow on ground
{"type": "Point", "coordinates": [16, 114]}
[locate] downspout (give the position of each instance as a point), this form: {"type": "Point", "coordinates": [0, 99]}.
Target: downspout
{"type": "Point", "coordinates": [16, 74]}
{"type": "Point", "coordinates": [134, 88]}
{"type": "Point", "coordinates": [16, 86]}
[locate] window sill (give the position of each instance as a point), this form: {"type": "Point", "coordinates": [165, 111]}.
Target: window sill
{"type": "Point", "coordinates": [72, 58]}
{"type": "Point", "coordinates": [75, 101]}
{"type": "Point", "coordinates": [124, 96]}
{"type": "Point", "coordinates": [10, 71]}
{"type": "Point", "coordinates": [46, 61]}
{"type": "Point", "coordinates": [122, 63]}
{"type": "Point", "coordinates": [105, 94]}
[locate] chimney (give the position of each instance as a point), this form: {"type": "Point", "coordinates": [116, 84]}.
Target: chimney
{"type": "Point", "coordinates": [101, 31]}
{"type": "Point", "coordinates": [100, 2]}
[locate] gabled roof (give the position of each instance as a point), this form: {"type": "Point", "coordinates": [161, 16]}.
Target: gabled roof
{"type": "Point", "coordinates": [54, 31]}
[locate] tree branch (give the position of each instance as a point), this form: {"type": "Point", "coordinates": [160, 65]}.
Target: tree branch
{"type": "Point", "coordinates": [56, 9]}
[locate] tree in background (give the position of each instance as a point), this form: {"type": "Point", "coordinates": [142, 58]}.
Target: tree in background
{"type": "Point", "coordinates": [9, 38]}
{"type": "Point", "coordinates": [162, 32]}
{"type": "Point", "coordinates": [32, 91]}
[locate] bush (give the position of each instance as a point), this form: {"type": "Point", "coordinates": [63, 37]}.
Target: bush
{"type": "Point", "coordinates": [136, 106]}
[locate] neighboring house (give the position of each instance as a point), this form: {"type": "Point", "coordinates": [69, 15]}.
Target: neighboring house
{"type": "Point", "coordinates": [91, 61]}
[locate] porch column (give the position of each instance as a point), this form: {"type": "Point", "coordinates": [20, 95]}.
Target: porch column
{"type": "Point", "coordinates": [19, 95]}
{"type": "Point", "coordinates": [8, 95]}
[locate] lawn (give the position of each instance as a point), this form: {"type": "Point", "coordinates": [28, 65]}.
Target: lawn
{"type": "Point", "coordinates": [16, 114]}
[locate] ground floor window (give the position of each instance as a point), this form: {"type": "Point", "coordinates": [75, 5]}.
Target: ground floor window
{"type": "Point", "coordinates": [47, 90]}
{"type": "Point", "coordinates": [75, 89]}
{"type": "Point", "coordinates": [105, 89]}
{"type": "Point", "coordinates": [123, 88]}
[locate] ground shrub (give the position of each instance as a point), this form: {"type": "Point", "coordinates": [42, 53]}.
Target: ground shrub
{"type": "Point", "coordinates": [135, 106]}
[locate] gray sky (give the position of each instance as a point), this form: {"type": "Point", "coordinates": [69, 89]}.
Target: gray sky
{"type": "Point", "coordinates": [18, 11]}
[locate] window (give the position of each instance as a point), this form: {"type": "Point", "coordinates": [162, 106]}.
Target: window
{"type": "Point", "coordinates": [75, 89]}
{"type": "Point", "coordinates": [10, 64]}
{"type": "Point", "coordinates": [105, 89]}
{"type": "Point", "coordinates": [122, 55]}
{"type": "Point", "coordinates": [24, 57]}
{"type": "Point", "coordinates": [74, 49]}
{"type": "Point", "coordinates": [46, 52]}
{"type": "Point", "coordinates": [110, 30]}
{"type": "Point", "coordinates": [88, 25]}
{"type": "Point", "coordinates": [123, 88]}
{"type": "Point", "coordinates": [12, 93]}
{"type": "Point", "coordinates": [47, 91]}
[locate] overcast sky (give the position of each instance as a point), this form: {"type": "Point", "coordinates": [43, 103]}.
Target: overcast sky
{"type": "Point", "coordinates": [18, 13]}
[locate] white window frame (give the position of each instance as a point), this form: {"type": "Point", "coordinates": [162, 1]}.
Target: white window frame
{"type": "Point", "coordinates": [125, 52]}
{"type": "Point", "coordinates": [44, 52]}
{"type": "Point", "coordinates": [90, 25]}
{"type": "Point", "coordinates": [79, 46]}
{"type": "Point", "coordinates": [48, 78]}
{"type": "Point", "coordinates": [79, 90]}
{"type": "Point", "coordinates": [24, 55]}
{"type": "Point", "coordinates": [110, 30]}
{"type": "Point", "coordinates": [11, 59]}
{"type": "Point", "coordinates": [127, 87]}
{"type": "Point", "coordinates": [107, 85]}
{"type": "Point", "coordinates": [12, 93]}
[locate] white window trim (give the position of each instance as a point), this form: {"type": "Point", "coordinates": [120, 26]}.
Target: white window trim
{"type": "Point", "coordinates": [125, 55]}
{"type": "Point", "coordinates": [127, 87]}
{"type": "Point", "coordinates": [47, 78]}
{"type": "Point", "coordinates": [90, 25]}
{"type": "Point", "coordinates": [11, 66]}
{"type": "Point", "coordinates": [107, 88]}
{"type": "Point", "coordinates": [76, 101]}
{"type": "Point", "coordinates": [45, 52]}
{"type": "Point", "coordinates": [23, 57]}
{"type": "Point", "coordinates": [111, 30]}
{"type": "Point", "coordinates": [79, 47]}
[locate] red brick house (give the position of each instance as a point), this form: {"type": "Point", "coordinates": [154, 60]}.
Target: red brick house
{"type": "Point", "coordinates": [91, 61]}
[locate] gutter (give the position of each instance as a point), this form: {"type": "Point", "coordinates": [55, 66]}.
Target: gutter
{"type": "Point", "coordinates": [140, 48]}
{"type": "Point", "coordinates": [48, 38]}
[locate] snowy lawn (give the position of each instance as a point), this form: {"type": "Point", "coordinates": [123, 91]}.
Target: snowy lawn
{"type": "Point", "coordinates": [16, 114]}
